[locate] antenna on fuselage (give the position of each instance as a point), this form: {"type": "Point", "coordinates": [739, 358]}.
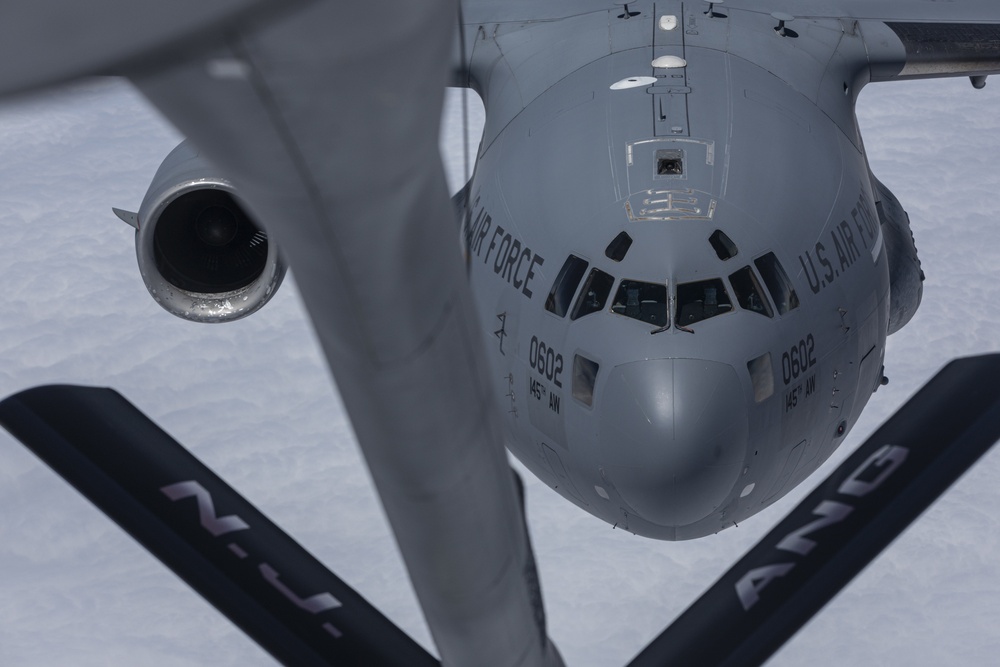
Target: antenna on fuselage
{"type": "Point", "coordinates": [465, 98]}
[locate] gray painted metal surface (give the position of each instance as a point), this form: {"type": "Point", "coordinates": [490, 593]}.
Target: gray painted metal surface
{"type": "Point", "coordinates": [329, 132]}
{"type": "Point", "coordinates": [756, 120]}
{"type": "Point", "coordinates": [50, 41]}
{"type": "Point", "coordinates": [325, 127]}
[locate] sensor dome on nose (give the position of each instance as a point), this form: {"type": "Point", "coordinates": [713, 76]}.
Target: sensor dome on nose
{"type": "Point", "coordinates": [673, 436]}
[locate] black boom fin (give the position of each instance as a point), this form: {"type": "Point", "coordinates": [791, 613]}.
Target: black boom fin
{"type": "Point", "coordinates": [203, 530]}
{"type": "Point", "coordinates": [841, 526]}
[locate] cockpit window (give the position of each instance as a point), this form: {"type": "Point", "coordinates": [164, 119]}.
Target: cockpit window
{"type": "Point", "coordinates": [761, 376]}
{"type": "Point", "coordinates": [777, 283]}
{"type": "Point", "coordinates": [594, 294]}
{"type": "Point", "coordinates": [723, 245]}
{"type": "Point", "coordinates": [584, 376]}
{"type": "Point", "coordinates": [646, 302]}
{"type": "Point", "coordinates": [618, 247]}
{"type": "Point", "coordinates": [701, 300]}
{"type": "Point", "coordinates": [748, 292]}
{"type": "Point", "coordinates": [565, 285]}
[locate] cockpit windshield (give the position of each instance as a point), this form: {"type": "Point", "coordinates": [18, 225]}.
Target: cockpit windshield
{"type": "Point", "coordinates": [594, 294]}
{"type": "Point", "coordinates": [701, 300]}
{"type": "Point", "coordinates": [777, 283]}
{"type": "Point", "coordinates": [749, 293]}
{"type": "Point", "coordinates": [646, 302]}
{"type": "Point", "coordinates": [561, 295]}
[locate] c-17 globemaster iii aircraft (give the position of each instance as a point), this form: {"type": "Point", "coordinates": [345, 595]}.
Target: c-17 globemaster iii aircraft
{"type": "Point", "coordinates": [677, 272]}
{"type": "Point", "coordinates": [682, 266]}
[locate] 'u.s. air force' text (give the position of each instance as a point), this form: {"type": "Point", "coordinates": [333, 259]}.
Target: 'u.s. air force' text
{"type": "Point", "coordinates": [821, 271]}
{"type": "Point", "coordinates": [512, 260]}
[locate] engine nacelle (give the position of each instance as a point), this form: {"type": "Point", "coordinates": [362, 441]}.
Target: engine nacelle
{"type": "Point", "coordinates": [906, 278]}
{"type": "Point", "coordinates": [201, 256]}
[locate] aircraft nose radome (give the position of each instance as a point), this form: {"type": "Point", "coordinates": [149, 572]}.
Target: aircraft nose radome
{"type": "Point", "coordinates": [673, 436]}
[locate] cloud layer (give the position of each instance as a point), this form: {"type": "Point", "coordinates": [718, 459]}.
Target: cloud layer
{"type": "Point", "coordinates": [254, 401]}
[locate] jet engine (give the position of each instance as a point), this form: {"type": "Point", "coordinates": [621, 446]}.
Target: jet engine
{"type": "Point", "coordinates": [201, 256]}
{"type": "Point", "coordinates": [906, 278]}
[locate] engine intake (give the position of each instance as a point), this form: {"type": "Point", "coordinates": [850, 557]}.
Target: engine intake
{"type": "Point", "coordinates": [201, 256]}
{"type": "Point", "coordinates": [906, 278]}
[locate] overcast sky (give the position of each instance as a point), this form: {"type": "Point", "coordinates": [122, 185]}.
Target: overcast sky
{"type": "Point", "coordinates": [254, 401]}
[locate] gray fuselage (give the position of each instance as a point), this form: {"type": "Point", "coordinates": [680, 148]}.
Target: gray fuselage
{"type": "Point", "coordinates": [679, 387]}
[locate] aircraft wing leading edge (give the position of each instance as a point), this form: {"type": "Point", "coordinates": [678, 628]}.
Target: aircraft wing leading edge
{"type": "Point", "coordinates": [902, 39]}
{"type": "Point", "coordinates": [931, 11]}
{"type": "Point", "coordinates": [907, 39]}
